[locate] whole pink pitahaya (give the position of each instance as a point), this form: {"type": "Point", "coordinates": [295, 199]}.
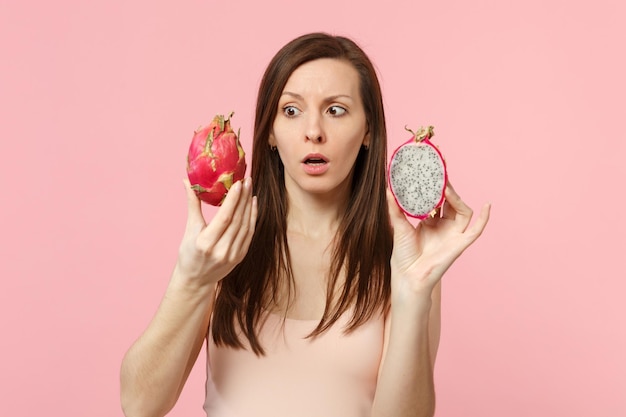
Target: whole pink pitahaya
{"type": "Point", "coordinates": [215, 161]}
{"type": "Point", "coordinates": [417, 175]}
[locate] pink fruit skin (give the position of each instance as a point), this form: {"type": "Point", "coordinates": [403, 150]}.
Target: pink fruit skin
{"type": "Point", "coordinates": [426, 142]}
{"type": "Point", "coordinates": [215, 161]}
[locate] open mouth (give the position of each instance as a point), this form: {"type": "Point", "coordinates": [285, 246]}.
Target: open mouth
{"type": "Point", "coordinates": [314, 161]}
{"type": "Point", "coordinates": [315, 164]}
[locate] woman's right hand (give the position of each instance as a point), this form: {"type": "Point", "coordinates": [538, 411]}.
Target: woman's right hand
{"type": "Point", "coordinates": [155, 368]}
{"type": "Point", "coordinates": [208, 252]}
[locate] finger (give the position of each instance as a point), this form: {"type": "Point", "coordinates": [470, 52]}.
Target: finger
{"type": "Point", "coordinates": [241, 223]}
{"type": "Point", "coordinates": [229, 236]}
{"type": "Point", "coordinates": [194, 209]}
{"type": "Point", "coordinates": [401, 226]}
{"type": "Point", "coordinates": [223, 218]}
{"type": "Point", "coordinates": [462, 210]}
{"type": "Point", "coordinates": [475, 230]}
{"type": "Point", "coordinates": [433, 217]}
{"type": "Point", "coordinates": [251, 224]}
{"type": "Point", "coordinates": [448, 211]}
{"type": "Point", "coordinates": [395, 213]}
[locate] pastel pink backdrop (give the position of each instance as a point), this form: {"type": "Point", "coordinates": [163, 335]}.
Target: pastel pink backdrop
{"type": "Point", "coordinates": [98, 101]}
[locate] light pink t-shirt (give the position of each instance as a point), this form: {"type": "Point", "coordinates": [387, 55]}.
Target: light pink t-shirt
{"type": "Point", "coordinates": [333, 375]}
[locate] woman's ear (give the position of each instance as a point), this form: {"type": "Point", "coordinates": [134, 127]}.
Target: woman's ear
{"type": "Point", "coordinates": [272, 141]}
{"type": "Point", "coordinates": [366, 139]}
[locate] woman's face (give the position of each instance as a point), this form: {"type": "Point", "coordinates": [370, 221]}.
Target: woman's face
{"type": "Point", "coordinates": [320, 127]}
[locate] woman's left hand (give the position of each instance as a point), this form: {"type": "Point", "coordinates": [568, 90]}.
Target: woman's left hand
{"type": "Point", "coordinates": [422, 254]}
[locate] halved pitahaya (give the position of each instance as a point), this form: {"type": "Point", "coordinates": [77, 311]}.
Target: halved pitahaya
{"type": "Point", "coordinates": [417, 175]}
{"type": "Point", "coordinates": [215, 161]}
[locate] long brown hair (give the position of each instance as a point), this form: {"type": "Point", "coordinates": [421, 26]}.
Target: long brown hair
{"type": "Point", "coordinates": [364, 237]}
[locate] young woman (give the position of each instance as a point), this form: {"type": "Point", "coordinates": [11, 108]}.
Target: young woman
{"type": "Point", "coordinates": [315, 294]}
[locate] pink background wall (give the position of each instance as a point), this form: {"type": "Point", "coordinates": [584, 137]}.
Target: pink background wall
{"type": "Point", "coordinates": [98, 101]}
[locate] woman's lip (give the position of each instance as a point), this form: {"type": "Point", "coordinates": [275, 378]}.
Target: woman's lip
{"type": "Point", "coordinates": [314, 156]}
{"type": "Point", "coordinates": [315, 169]}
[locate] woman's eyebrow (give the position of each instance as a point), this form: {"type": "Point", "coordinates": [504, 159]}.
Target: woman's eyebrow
{"type": "Point", "coordinates": [294, 95]}
{"type": "Point", "coordinates": [327, 99]}
{"type": "Point", "coordinates": [335, 97]}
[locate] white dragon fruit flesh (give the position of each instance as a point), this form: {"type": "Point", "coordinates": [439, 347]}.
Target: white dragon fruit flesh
{"type": "Point", "coordinates": [417, 175]}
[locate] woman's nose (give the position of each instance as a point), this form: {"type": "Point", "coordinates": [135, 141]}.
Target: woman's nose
{"type": "Point", "coordinates": [314, 131]}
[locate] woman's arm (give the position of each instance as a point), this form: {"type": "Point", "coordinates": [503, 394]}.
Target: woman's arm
{"type": "Point", "coordinates": [156, 367]}
{"type": "Point", "coordinates": [405, 379]}
{"type": "Point", "coordinates": [434, 323]}
{"type": "Point", "coordinates": [420, 257]}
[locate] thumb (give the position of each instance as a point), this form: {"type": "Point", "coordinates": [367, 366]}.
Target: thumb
{"type": "Point", "coordinates": [194, 209]}
{"type": "Point", "coordinates": [396, 216]}
{"type": "Point", "coordinates": [402, 228]}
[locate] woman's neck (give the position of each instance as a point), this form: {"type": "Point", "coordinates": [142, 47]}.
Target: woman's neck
{"type": "Point", "coordinates": [315, 215]}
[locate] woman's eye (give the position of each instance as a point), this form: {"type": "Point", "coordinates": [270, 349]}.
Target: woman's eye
{"type": "Point", "coordinates": [291, 111]}
{"type": "Point", "coordinates": [336, 111]}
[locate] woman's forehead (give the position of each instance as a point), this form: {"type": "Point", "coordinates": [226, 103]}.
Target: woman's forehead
{"type": "Point", "coordinates": [325, 76]}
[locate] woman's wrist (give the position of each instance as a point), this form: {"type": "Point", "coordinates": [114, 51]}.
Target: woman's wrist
{"type": "Point", "coordinates": [411, 305]}
{"type": "Point", "coordinates": [414, 287]}
{"type": "Point", "coordinates": [190, 284]}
